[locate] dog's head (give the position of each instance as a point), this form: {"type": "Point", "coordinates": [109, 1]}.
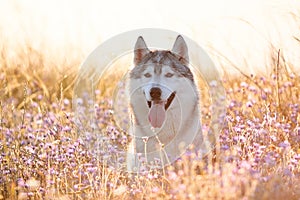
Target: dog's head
{"type": "Point", "coordinates": [159, 75]}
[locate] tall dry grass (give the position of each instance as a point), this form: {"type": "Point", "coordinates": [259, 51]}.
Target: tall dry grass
{"type": "Point", "coordinates": [42, 156]}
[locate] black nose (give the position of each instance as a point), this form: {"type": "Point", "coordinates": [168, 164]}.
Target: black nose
{"type": "Point", "coordinates": [155, 93]}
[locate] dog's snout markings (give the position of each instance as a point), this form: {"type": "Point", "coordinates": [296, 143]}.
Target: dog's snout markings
{"type": "Point", "coordinates": [170, 100]}
{"type": "Point", "coordinates": [155, 94]}
{"type": "Point", "coordinates": [158, 95]}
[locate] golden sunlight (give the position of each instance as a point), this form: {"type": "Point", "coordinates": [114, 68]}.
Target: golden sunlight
{"type": "Point", "coordinates": [242, 33]}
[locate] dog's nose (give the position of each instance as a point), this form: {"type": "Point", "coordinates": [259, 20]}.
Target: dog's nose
{"type": "Point", "coordinates": [155, 93]}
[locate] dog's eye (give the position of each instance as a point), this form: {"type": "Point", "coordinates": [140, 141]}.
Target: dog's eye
{"type": "Point", "coordinates": [169, 75]}
{"type": "Point", "coordinates": [147, 75]}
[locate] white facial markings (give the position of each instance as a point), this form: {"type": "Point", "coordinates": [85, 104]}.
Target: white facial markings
{"type": "Point", "coordinates": [158, 78]}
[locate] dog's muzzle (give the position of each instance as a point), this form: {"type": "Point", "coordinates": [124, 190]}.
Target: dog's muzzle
{"type": "Point", "coordinates": [158, 107]}
{"type": "Point", "coordinates": [157, 99]}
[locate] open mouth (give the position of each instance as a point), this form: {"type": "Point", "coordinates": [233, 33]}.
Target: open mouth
{"type": "Point", "coordinates": [157, 111]}
{"type": "Point", "coordinates": [167, 104]}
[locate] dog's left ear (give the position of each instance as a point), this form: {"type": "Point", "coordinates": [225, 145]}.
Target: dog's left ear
{"type": "Point", "coordinates": [181, 50]}
{"type": "Point", "coordinates": [140, 50]}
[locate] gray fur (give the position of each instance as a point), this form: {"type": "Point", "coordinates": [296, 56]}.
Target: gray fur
{"type": "Point", "coordinates": [159, 59]}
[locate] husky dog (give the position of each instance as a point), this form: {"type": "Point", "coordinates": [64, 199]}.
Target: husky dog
{"type": "Point", "coordinates": [164, 103]}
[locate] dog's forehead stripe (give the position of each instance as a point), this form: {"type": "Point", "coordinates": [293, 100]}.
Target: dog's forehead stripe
{"type": "Point", "coordinates": [158, 69]}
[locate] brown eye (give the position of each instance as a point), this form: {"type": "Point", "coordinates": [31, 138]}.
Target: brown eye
{"type": "Point", "coordinates": [169, 75]}
{"type": "Point", "coordinates": [147, 75]}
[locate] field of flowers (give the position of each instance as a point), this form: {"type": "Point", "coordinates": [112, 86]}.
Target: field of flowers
{"type": "Point", "coordinates": [42, 156]}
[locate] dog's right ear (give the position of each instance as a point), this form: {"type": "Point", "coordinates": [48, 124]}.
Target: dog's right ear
{"type": "Point", "coordinates": [140, 50]}
{"type": "Point", "coordinates": [181, 50]}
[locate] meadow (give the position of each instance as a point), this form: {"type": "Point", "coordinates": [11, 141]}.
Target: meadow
{"type": "Point", "coordinates": [43, 157]}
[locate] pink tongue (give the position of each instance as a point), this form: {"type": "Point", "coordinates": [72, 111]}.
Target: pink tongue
{"type": "Point", "coordinates": [157, 115]}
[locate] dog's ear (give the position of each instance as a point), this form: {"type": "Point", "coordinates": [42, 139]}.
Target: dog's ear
{"type": "Point", "coordinates": [181, 50]}
{"type": "Point", "coordinates": [140, 50]}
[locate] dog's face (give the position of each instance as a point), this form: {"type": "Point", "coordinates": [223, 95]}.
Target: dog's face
{"type": "Point", "coordinates": [159, 76]}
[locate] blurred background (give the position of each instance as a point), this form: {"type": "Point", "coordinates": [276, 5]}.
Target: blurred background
{"type": "Point", "coordinates": [236, 33]}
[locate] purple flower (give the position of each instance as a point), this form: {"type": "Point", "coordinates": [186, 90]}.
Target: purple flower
{"type": "Point", "coordinates": [66, 129]}
{"type": "Point", "coordinates": [249, 104]}
{"type": "Point", "coordinates": [66, 102]}
{"type": "Point", "coordinates": [40, 97]}
{"type": "Point", "coordinates": [244, 84]}
{"type": "Point", "coordinates": [253, 89]}
{"type": "Point", "coordinates": [284, 144]}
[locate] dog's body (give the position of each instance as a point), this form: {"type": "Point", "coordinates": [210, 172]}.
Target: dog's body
{"type": "Point", "coordinates": [164, 102]}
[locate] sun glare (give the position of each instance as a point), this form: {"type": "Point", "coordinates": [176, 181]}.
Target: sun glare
{"type": "Point", "coordinates": [68, 117]}
{"type": "Point", "coordinates": [242, 31]}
